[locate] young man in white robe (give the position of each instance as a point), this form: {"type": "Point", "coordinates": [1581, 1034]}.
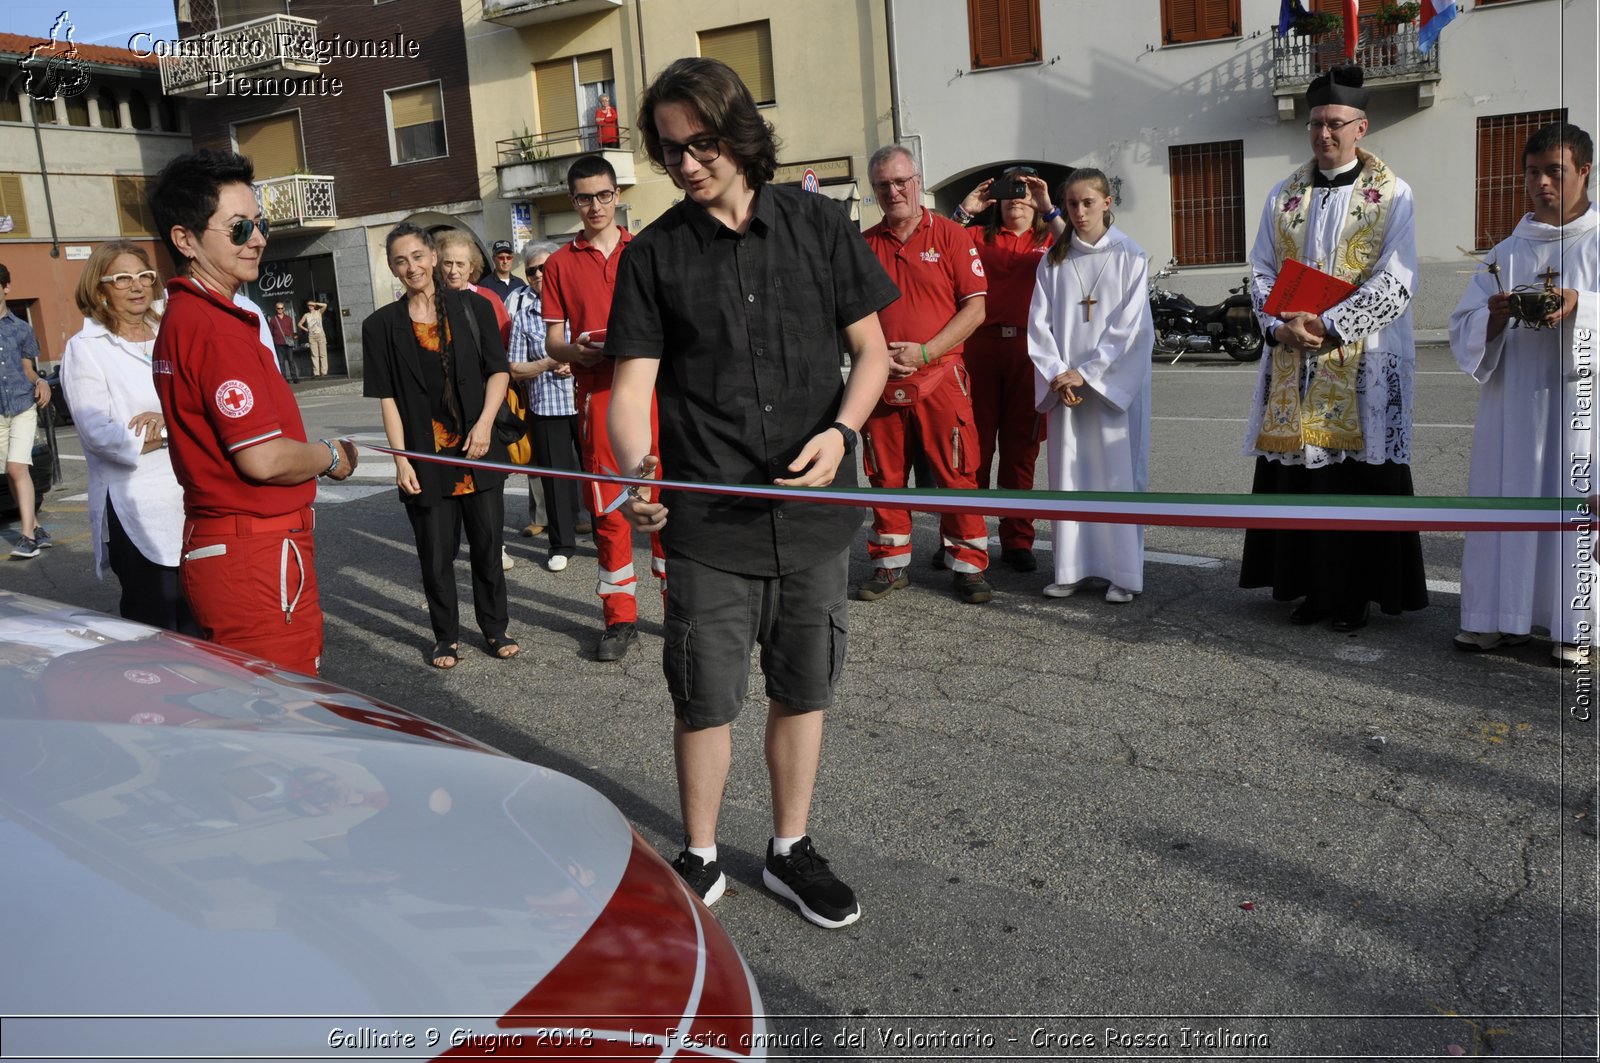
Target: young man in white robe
{"type": "Point", "coordinates": [1535, 431]}
{"type": "Point", "coordinates": [1331, 413]}
{"type": "Point", "coordinates": [1090, 339]}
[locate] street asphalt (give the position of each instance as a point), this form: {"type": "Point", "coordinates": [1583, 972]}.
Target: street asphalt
{"type": "Point", "coordinates": [1178, 827]}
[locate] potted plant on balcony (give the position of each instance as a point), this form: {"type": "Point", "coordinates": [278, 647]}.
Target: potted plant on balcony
{"type": "Point", "coordinates": [1398, 14]}
{"type": "Point", "coordinates": [526, 148]}
{"type": "Point", "coordinates": [1386, 43]}
{"type": "Point", "coordinates": [1316, 23]}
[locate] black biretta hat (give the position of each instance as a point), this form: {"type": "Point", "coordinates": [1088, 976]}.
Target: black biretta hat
{"type": "Point", "coordinates": [1340, 85]}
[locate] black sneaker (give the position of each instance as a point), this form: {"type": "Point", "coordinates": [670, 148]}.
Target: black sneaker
{"type": "Point", "coordinates": [884, 581]}
{"type": "Point", "coordinates": [803, 877]}
{"type": "Point", "coordinates": [42, 538]}
{"type": "Point", "coordinates": [25, 547]}
{"type": "Point", "coordinates": [1020, 559]}
{"type": "Point", "coordinates": [707, 880]}
{"type": "Point", "coordinates": [973, 588]}
{"type": "Point", "coordinates": [615, 642]}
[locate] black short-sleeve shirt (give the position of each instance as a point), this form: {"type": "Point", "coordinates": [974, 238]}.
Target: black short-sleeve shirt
{"type": "Point", "coordinates": [747, 331]}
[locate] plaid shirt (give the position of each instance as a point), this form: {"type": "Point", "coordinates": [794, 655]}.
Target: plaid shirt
{"type": "Point", "coordinates": [549, 394]}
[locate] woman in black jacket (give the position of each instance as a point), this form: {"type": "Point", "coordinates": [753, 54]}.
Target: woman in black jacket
{"type": "Point", "coordinates": [435, 361]}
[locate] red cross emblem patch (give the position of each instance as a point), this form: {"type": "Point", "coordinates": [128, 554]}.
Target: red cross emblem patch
{"type": "Point", "coordinates": [234, 398]}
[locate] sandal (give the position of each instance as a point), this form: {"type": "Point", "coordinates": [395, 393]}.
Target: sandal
{"type": "Point", "coordinates": [444, 651]}
{"type": "Point", "coordinates": [504, 647]}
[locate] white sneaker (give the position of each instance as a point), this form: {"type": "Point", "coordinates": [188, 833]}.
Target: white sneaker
{"type": "Point", "coordinates": [1118, 595]}
{"type": "Point", "coordinates": [1062, 590]}
{"type": "Point", "coordinates": [506, 561]}
{"type": "Point", "coordinates": [556, 563]}
{"type": "Point", "coordinates": [1478, 641]}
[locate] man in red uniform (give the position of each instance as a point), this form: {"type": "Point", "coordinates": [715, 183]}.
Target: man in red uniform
{"type": "Point", "coordinates": [239, 447]}
{"type": "Point", "coordinates": [928, 397]}
{"type": "Point", "coordinates": [579, 280]}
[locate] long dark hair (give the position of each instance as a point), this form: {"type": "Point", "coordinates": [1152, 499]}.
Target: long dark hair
{"type": "Point", "coordinates": [714, 92]}
{"type": "Point", "coordinates": [446, 342]}
{"type": "Point", "coordinates": [1058, 253]}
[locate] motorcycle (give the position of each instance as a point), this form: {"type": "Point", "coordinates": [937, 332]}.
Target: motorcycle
{"type": "Point", "coordinates": [1182, 327]}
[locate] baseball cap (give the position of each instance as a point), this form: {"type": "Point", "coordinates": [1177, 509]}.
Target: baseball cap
{"type": "Point", "coordinates": [501, 247]}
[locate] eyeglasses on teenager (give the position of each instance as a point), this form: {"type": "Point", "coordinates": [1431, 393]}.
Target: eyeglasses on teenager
{"type": "Point", "coordinates": [585, 199]}
{"type": "Point", "coordinates": [239, 231]}
{"type": "Point", "coordinates": [123, 281]}
{"type": "Point", "coordinates": [706, 149]}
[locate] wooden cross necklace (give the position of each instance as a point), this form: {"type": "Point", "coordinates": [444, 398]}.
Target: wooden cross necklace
{"type": "Point", "coordinates": [1088, 301]}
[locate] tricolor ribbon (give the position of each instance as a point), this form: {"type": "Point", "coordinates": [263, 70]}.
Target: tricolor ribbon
{"type": "Point", "coordinates": [1322, 512]}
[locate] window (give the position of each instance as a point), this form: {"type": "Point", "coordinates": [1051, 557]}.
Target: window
{"type": "Point", "coordinates": [10, 102]}
{"type": "Point", "coordinates": [11, 204]}
{"type": "Point", "coordinates": [1502, 197]}
{"type": "Point", "coordinates": [1184, 21]}
{"type": "Point", "coordinates": [138, 110]}
{"type": "Point", "coordinates": [748, 49]}
{"type": "Point", "coordinates": [416, 114]}
{"type": "Point", "coordinates": [78, 110]}
{"type": "Point", "coordinates": [273, 144]}
{"type": "Point", "coordinates": [1003, 32]}
{"type": "Point", "coordinates": [569, 90]}
{"type": "Point", "coordinates": [1208, 203]}
{"type": "Point", "coordinates": [110, 118]}
{"type": "Point", "coordinates": [133, 208]}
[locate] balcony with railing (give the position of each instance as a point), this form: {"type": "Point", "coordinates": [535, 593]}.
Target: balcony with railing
{"type": "Point", "coordinates": [277, 45]}
{"type": "Point", "coordinates": [1389, 54]}
{"type": "Point", "coordinates": [531, 12]}
{"type": "Point", "coordinates": [536, 164]}
{"type": "Point", "coordinates": [297, 201]}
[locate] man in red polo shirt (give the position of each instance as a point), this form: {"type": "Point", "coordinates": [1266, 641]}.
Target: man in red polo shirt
{"type": "Point", "coordinates": [579, 280]}
{"type": "Point", "coordinates": [942, 288]}
{"type": "Point", "coordinates": [239, 447]}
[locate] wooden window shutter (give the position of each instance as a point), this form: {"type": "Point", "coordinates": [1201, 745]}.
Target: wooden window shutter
{"type": "Point", "coordinates": [1184, 21]}
{"type": "Point", "coordinates": [1502, 194]}
{"type": "Point", "coordinates": [421, 105]}
{"type": "Point", "coordinates": [596, 66]}
{"type": "Point", "coordinates": [133, 208]}
{"type": "Point", "coordinates": [12, 204]}
{"type": "Point", "coordinates": [748, 49]}
{"type": "Point", "coordinates": [1208, 203]}
{"type": "Point", "coordinates": [558, 96]}
{"type": "Point", "coordinates": [1003, 32]}
{"type": "Point", "coordinates": [273, 144]}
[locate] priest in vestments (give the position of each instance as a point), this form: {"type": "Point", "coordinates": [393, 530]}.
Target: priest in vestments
{"type": "Point", "coordinates": [1090, 339]}
{"type": "Point", "coordinates": [1535, 432]}
{"type": "Point", "coordinates": [1331, 411]}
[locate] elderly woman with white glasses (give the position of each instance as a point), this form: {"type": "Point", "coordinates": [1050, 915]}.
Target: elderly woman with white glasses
{"type": "Point", "coordinates": [135, 502]}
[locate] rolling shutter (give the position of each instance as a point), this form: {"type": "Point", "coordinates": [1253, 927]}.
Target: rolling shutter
{"type": "Point", "coordinates": [273, 144]}
{"type": "Point", "coordinates": [12, 205]}
{"type": "Point", "coordinates": [558, 96]}
{"type": "Point", "coordinates": [748, 49]}
{"type": "Point", "coordinates": [133, 208]}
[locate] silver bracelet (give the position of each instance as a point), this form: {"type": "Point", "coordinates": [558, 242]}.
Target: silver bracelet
{"type": "Point", "coordinates": [333, 465]}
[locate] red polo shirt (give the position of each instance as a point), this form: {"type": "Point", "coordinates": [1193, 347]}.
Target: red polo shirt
{"type": "Point", "coordinates": [220, 393]}
{"type": "Point", "coordinates": [1011, 261]}
{"type": "Point", "coordinates": [936, 270]}
{"type": "Point", "coordinates": [579, 281]}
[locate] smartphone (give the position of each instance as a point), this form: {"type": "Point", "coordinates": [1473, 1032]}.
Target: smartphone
{"type": "Point", "coordinates": [595, 338]}
{"type": "Point", "coordinates": [1011, 190]}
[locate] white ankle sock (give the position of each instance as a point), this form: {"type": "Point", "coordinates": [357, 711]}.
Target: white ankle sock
{"type": "Point", "coordinates": [707, 853]}
{"type": "Point", "coordinates": [781, 846]}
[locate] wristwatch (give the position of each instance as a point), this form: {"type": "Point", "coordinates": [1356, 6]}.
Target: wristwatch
{"type": "Point", "coordinates": [849, 435]}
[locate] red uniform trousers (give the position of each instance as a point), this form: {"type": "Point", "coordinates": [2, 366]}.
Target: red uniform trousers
{"type": "Point", "coordinates": [252, 586]}
{"type": "Point", "coordinates": [941, 420]}
{"type": "Point", "coordinates": [1002, 407]}
{"type": "Point", "coordinates": [613, 535]}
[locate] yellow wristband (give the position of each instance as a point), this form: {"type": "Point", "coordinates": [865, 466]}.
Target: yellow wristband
{"type": "Point", "coordinates": [924, 347]}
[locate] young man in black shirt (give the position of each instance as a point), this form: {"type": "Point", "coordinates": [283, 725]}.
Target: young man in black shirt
{"type": "Point", "coordinates": [728, 307]}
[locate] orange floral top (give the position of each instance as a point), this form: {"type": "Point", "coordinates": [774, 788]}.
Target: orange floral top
{"type": "Point", "coordinates": [448, 437]}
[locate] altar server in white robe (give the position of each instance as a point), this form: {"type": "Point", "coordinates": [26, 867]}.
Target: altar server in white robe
{"type": "Point", "coordinates": [1090, 339]}
{"type": "Point", "coordinates": [1535, 432]}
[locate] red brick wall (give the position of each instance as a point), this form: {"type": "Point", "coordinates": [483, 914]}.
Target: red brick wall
{"type": "Point", "coordinates": [346, 136]}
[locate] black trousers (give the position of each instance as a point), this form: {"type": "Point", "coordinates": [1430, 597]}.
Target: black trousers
{"type": "Point", "coordinates": [482, 515]}
{"type": "Point", "coordinates": [286, 364]}
{"type": "Point", "coordinates": [151, 593]}
{"type": "Point", "coordinates": [555, 446]}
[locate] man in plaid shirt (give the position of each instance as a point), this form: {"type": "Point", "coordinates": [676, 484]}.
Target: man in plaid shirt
{"type": "Point", "coordinates": [552, 412]}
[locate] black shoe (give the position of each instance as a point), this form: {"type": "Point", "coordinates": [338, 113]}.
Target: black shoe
{"type": "Point", "coordinates": [884, 581]}
{"type": "Point", "coordinates": [42, 538]}
{"type": "Point", "coordinates": [803, 877]}
{"type": "Point", "coordinates": [615, 642]}
{"type": "Point", "coordinates": [1352, 618]}
{"type": "Point", "coordinates": [937, 560]}
{"type": "Point", "coordinates": [1020, 559]}
{"type": "Point", "coordinates": [25, 547]}
{"type": "Point", "coordinates": [1306, 613]}
{"type": "Point", "coordinates": [973, 588]}
{"type": "Point", "coordinates": [707, 880]}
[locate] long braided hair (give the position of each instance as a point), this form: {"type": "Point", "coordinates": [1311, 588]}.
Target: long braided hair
{"type": "Point", "coordinates": [452, 402]}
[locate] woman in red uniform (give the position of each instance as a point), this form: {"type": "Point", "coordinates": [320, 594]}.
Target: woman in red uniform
{"type": "Point", "coordinates": [1011, 246]}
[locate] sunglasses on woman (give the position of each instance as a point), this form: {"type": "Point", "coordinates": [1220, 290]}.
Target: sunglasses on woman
{"type": "Point", "coordinates": [123, 281]}
{"type": "Point", "coordinates": [239, 231]}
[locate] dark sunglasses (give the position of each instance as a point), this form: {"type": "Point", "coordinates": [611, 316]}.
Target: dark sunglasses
{"type": "Point", "coordinates": [239, 231]}
{"type": "Point", "coordinates": [533, 271]}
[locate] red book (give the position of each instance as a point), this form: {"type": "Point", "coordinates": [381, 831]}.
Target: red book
{"type": "Point", "coordinates": [1301, 289]}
